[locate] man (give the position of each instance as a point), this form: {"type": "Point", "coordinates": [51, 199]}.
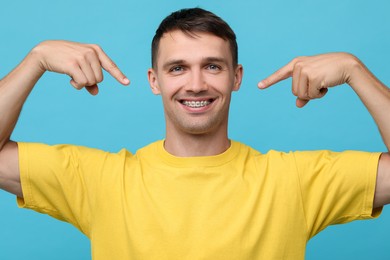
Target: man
{"type": "Point", "coordinates": [197, 194]}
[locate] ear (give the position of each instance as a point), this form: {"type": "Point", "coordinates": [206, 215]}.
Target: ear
{"type": "Point", "coordinates": [153, 82]}
{"type": "Point", "coordinates": [238, 74]}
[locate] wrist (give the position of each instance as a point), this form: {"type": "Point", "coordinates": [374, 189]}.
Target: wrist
{"type": "Point", "coordinates": [355, 70]}
{"type": "Point", "coordinates": [36, 58]}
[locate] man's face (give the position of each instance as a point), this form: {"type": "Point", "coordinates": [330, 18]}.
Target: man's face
{"type": "Point", "coordinates": [195, 77]}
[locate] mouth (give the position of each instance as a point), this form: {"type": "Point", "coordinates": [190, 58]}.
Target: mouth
{"type": "Point", "coordinates": [197, 103]}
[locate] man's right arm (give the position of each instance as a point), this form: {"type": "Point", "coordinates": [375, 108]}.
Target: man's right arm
{"type": "Point", "coordinates": [82, 62]}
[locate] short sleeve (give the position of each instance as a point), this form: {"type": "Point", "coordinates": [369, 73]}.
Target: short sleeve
{"type": "Point", "coordinates": [62, 180]}
{"type": "Point", "coordinates": [336, 187]}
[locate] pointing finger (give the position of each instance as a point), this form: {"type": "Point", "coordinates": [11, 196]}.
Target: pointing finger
{"type": "Point", "coordinates": [111, 67]}
{"type": "Point", "coordinates": [281, 74]}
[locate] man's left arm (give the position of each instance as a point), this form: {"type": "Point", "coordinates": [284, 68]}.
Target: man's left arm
{"type": "Point", "coordinates": [311, 78]}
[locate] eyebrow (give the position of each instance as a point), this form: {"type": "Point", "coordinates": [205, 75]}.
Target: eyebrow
{"type": "Point", "coordinates": [216, 59]}
{"type": "Point", "coordinates": [170, 63]}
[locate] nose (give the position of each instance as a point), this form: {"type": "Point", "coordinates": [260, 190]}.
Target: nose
{"type": "Point", "coordinates": [196, 82]}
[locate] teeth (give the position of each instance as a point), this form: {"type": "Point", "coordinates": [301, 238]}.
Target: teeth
{"type": "Point", "coordinates": [196, 104]}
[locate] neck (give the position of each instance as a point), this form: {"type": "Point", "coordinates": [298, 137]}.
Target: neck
{"type": "Point", "coordinates": [189, 145]}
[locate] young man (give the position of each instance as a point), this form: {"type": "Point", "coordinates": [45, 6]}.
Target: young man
{"type": "Point", "coordinates": [197, 194]}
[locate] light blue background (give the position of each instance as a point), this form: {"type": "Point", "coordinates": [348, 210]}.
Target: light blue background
{"type": "Point", "coordinates": [270, 33]}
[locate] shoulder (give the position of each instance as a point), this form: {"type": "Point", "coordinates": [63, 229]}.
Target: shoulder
{"type": "Point", "coordinates": [334, 157]}
{"type": "Point", "coordinates": [32, 151]}
{"type": "Point", "coordinates": [262, 155]}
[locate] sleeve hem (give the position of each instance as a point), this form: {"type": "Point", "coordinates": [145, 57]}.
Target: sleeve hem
{"type": "Point", "coordinates": [372, 169]}
{"type": "Point", "coordinates": [27, 199]}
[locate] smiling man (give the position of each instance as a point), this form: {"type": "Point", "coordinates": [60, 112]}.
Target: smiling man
{"type": "Point", "coordinates": [197, 194]}
{"type": "Point", "coordinates": [195, 74]}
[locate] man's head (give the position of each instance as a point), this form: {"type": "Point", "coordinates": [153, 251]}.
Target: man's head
{"type": "Point", "coordinates": [195, 71]}
{"type": "Point", "coordinates": [192, 21]}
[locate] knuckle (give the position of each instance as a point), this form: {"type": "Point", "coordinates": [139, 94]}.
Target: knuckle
{"type": "Point", "coordinates": [81, 83]}
{"type": "Point", "coordinates": [77, 86]}
{"type": "Point", "coordinates": [296, 60]}
{"type": "Point", "coordinates": [303, 96]}
{"type": "Point", "coordinates": [304, 70]}
{"type": "Point", "coordinates": [299, 65]}
{"type": "Point", "coordinates": [96, 47]}
{"type": "Point", "coordinates": [99, 78]}
{"type": "Point", "coordinates": [73, 64]}
{"type": "Point", "coordinates": [86, 55]}
{"type": "Point", "coordinates": [80, 58]}
{"type": "Point", "coordinates": [90, 81]}
{"type": "Point", "coordinates": [112, 65]}
{"type": "Point", "coordinates": [89, 52]}
{"type": "Point", "coordinates": [294, 92]}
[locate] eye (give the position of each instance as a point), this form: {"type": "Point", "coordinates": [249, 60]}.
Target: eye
{"type": "Point", "coordinates": [176, 69]}
{"type": "Point", "coordinates": [213, 67]}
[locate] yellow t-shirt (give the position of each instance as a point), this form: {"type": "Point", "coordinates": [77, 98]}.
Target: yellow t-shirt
{"type": "Point", "coordinates": [237, 205]}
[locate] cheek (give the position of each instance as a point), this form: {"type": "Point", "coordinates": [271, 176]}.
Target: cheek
{"type": "Point", "coordinates": [179, 81]}
{"type": "Point", "coordinates": [172, 84]}
{"type": "Point", "coordinates": [221, 84]}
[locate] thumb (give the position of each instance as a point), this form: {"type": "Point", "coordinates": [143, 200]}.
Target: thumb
{"type": "Point", "coordinates": [301, 102]}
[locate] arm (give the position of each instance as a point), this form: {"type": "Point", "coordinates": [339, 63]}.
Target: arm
{"type": "Point", "coordinates": [82, 62]}
{"type": "Point", "coordinates": [311, 78]}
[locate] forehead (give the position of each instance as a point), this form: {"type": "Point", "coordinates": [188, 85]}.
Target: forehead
{"type": "Point", "coordinates": [177, 45]}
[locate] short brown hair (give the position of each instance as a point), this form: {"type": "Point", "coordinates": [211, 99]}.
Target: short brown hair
{"type": "Point", "coordinates": [195, 20]}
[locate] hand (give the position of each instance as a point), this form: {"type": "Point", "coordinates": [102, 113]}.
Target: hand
{"type": "Point", "coordinates": [312, 76]}
{"type": "Point", "coordinates": [82, 62]}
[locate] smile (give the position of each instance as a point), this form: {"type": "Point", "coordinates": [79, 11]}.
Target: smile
{"type": "Point", "coordinates": [197, 104]}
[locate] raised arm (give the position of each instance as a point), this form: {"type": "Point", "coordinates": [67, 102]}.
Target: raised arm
{"type": "Point", "coordinates": [82, 62]}
{"type": "Point", "coordinates": [311, 78]}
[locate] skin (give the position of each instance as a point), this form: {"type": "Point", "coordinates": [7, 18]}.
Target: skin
{"type": "Point", "coordinates": [190, 69]}
{"type": "Point", "coordinates": [313, 76]}
{"type": "Point", "coordinates": [195, 69]}
{"type": "Point", "coordinates": [82, 62]}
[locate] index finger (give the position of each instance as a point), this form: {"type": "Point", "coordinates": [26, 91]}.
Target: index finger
{"type": "Point", "coordinates": [110, 66]}
{"type": "Point", "coordinates": [279, 75]}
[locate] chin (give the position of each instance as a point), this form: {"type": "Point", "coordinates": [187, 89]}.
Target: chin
{"type": "Point", "coordinates": [199, 125]}
{"type": "Point", "coordinates": [200, 129]}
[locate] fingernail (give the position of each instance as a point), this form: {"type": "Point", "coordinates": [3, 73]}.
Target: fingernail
{"type": "Point", "coordinates": [261, 84]}
{"type": "Point", "coordinates": [126, 81]}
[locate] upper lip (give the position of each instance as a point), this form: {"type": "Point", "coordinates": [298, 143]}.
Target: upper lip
{"type": "Point", "coordinates": [197, 99]}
